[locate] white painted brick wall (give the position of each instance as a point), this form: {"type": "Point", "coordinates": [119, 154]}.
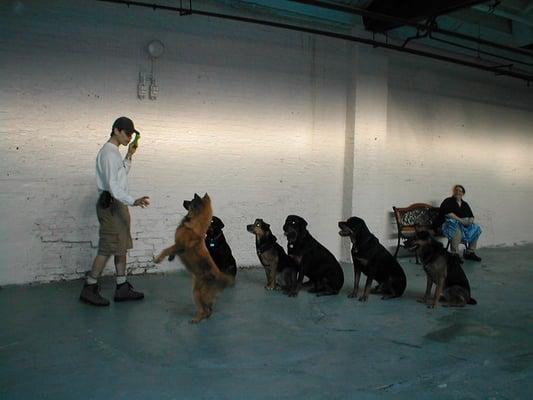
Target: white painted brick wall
{"type": "Point", "coordinates": [257, 117]}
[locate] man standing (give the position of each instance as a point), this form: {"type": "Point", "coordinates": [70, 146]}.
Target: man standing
{"type": "Point", "coordinates": [113, 214]}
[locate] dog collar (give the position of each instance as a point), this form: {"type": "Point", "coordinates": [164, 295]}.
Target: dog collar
{"type": "Point", "coordinates": [368, 239]}
{"type": "Point", "coordinates": [212, 241]}
{"type": "Point", "coordinates": [262, 247]}
{"type": "Point", "coordinates": [267, 246]}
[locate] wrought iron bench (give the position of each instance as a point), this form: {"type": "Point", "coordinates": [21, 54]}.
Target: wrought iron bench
{"type": "Point", "coordinates": [417, 216]}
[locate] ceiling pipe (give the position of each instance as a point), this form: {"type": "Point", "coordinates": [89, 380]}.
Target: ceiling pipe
{"type": "Point", "coordinates": [478, 51]}
{"type": "Point", "coordinates": [189, 11]}
{"type": "Point", "coordinates": [502, 13]}
{"type": "Point", "coordinates": [388, 18]}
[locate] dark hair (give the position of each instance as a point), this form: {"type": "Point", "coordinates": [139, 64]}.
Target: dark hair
{"type": "Point", "coordinates": [460, 186]}
{"type": "Point", "coordinates": [123, 124]}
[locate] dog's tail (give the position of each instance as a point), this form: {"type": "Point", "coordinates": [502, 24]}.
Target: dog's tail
{"type": "Point", "coordinates": [217, 277]}
{"type": "Point", "coordinates": [226, 280]}
{"type": "Point", "coordinates": [471, 300]}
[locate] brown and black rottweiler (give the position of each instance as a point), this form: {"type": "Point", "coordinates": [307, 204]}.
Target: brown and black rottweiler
{"type": "Point", "coordinates": [313, 259]}
{"type": "Point", "coordinates": [443, 269]}
{"type": "Point", "coordinates": [274, 259]}
{"type": "Point", "coordinates": [207, 279]}
{"type": "Point", "coordinates": [372, 259]}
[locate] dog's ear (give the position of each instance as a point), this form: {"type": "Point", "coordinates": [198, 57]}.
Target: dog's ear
{"type": "Point", "coordinates": [352, 223]}
{"type": "Point", "coordinates": [266, 226]}
{"type": "Point", "coordinates": [206, 197]}
{"type": "Point", "coordinates": [186, 204]}
{"type": "Point", "coordinates": [296, 220]}
{"type": "Point", "coordinates": [218, 222]}
{"type": "Point", "coordinates": [356, 221]}
{"type": "Point", "coordinates": [196, 197]}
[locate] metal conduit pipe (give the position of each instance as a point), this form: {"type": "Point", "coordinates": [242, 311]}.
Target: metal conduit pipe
{"type": "Point", "coordinates": [502, 13]}
{"type": "Point", "coordinates": [189, 11]}
{"type": "Point", "coordinates": [388, 18]}
{"type": "Point", "coordinates": [478, 51]}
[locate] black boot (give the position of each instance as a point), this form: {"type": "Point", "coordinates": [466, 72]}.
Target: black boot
{"type": "Point", "coordinates": [90, 294]}
{"type": "Point", "coordinates": [125, 292]}
{"type": "Point", "coordinates": [470, 255]}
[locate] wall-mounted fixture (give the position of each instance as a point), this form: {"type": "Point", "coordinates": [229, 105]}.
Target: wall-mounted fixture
{"type": "Point", "coordinates": [141, 87]}
{"type": "Point", "coordinates": [155, 50]}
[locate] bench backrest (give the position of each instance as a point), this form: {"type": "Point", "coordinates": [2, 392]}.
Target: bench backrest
{"type": "Point", "coordinates": [419, 215]}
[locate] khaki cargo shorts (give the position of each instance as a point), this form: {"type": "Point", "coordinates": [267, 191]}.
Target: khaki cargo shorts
{"type": "Point", "coordinates": [115, 236]}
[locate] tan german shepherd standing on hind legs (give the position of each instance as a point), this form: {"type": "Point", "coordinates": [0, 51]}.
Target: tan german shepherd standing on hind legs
{"type": "Point", "coordinates": [207, 280]}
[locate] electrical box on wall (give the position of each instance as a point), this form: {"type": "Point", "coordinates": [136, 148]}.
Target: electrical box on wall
{"type": "Point", "coordinates": [154, 90]}
{"type": "Point", "coordinates": [141, 87]}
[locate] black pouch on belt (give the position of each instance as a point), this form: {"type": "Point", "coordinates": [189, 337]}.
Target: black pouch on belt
{"type": "Point", "coordinates": [105, 199]}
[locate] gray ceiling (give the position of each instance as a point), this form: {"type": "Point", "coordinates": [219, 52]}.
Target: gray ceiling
{"type": "Point", "coordinates": [492, 36]}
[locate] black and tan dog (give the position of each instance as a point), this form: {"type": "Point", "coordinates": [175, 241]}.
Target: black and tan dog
{"type": "Point", "coordinates": [313, 259]}
{"type": "Point", "coordinates": [273, 258]}
{"type": "Point", "coordinates": [189, 245]}
{"type": "Point", "coordinates": [371, 258]}
{"type": "Point", "coordinates": [217, 245]}
{"type": "Point", "coordinates": [443, 269]}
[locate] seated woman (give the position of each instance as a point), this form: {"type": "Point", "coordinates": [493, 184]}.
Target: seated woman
{"type": "Point", "coordinates": [456, 221]}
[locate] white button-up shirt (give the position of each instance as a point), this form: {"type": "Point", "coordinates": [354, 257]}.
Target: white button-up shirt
{"type": "Point", "coordinates": [112, 173]}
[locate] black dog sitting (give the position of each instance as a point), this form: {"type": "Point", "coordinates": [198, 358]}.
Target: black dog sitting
{"type": "Point", "coordinates": [313, 259]}
{"type": "Point", "coordinates": [274, 259]}
{"type": "Point", "coordinates": [371, 258]}
{"type": "Point", "coordinates": [219, 248]}
{"type": "Point", "coordinates": [215, 241]}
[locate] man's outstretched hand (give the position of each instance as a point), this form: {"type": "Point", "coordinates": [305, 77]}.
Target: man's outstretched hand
{"type": "Point", "coordinates": [143, 202]}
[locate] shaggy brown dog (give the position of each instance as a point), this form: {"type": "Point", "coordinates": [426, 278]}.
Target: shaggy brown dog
{"type": "Point", "coordinates": [207, 280]}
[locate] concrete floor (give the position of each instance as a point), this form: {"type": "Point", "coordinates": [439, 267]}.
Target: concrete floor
{"type": "Point", "coordinates": [263, 345]}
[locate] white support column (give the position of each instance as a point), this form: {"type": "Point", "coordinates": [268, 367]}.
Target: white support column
{"type": "Point", "coordinates": [349, 153]}
{"type": "Point", "coordinates": [369, 198]}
